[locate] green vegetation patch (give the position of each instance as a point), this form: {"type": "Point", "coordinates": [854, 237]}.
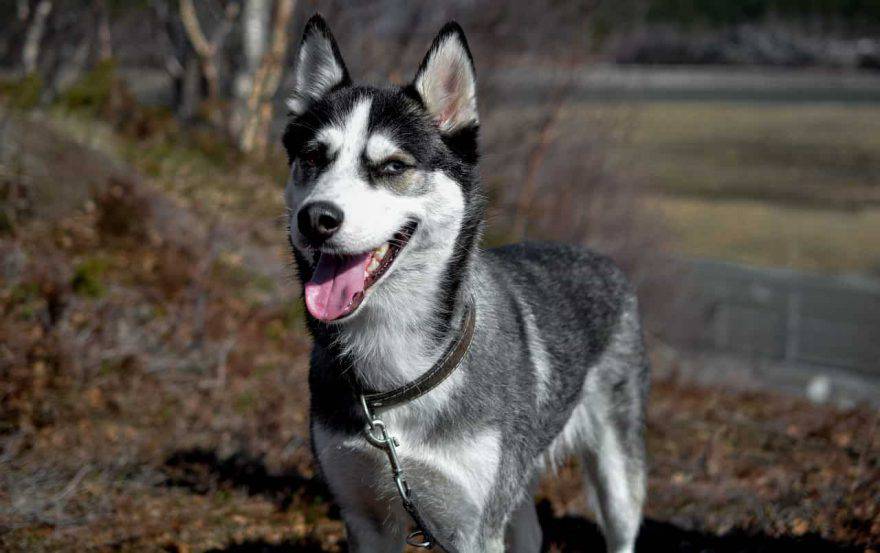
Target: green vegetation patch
{"type": "Point", "coordinates": [23, 93]}
{"type": "Point", "coordinates": [93, 90]}
{"type": "Point", "coordinates": [88, 277]}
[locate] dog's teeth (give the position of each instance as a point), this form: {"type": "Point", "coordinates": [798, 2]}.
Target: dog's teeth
{"type": "Point", "coordinates": [382, 250]}
{"type": "Point", "coordinates": [373, 265]}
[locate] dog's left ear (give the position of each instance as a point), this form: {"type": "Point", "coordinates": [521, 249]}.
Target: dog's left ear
{"type": "Point", "coordinates": [319, 66]}
{"type": "Point", "coordinates": [446, 82]}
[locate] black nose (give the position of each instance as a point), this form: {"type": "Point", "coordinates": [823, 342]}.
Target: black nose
{"type": "Point", "coordinates": [319, 221]}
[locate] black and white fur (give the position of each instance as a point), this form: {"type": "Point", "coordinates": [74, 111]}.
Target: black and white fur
{"type": "Point", "coordinates": [556, 367]}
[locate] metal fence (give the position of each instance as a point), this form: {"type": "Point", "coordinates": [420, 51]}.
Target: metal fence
{"type": "Point", "coordinates": [788, 316]}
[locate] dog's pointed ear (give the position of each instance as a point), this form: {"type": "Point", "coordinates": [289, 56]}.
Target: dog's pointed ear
{"type": "Point", "coordinates": [319, 66]}
{"type": "Point", "coordinates": [446, 82]}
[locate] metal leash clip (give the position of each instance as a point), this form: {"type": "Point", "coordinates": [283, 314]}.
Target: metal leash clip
{"type": "Point", "coordinates": [418, 539]}
{"type": "Point", "coordinates": [377, 435]}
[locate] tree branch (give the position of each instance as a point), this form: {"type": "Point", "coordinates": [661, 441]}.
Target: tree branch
{"type": "Point", "coordinates": [31, 50]}
{"type": "Point", "coordinates": [266, 82]}
{"type": "Point", "coordinates": [207, 49]}
{"type": "Point", "coordinates": [194, 30]}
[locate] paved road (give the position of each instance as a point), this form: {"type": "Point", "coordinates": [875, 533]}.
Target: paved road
{"type": "Point", "coordinates": [801, 332]}
{"type": "Point", "coordinates": [724, 83]}
{"type": "Point", "coordinates": [638, 83]}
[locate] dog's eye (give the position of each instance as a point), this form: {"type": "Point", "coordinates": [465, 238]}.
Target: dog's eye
{"type": "Point", "coordinates": [313, 158]}
{"type": "Point", "coordinates": [392, 167]}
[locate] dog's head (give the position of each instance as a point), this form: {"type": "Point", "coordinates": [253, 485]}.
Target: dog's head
{"type": "Point", "coordinates": [383, 182]}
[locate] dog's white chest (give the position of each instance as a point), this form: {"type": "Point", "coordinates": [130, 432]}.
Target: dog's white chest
{"type": "Point", "coordinates": [451, 473]}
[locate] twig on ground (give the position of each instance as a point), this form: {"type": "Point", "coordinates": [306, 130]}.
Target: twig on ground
{"type": "Point", "coordinates": [60, 498]}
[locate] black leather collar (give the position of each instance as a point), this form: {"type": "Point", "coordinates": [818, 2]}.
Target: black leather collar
{"type": "Point", "coordinates": [445, 366]}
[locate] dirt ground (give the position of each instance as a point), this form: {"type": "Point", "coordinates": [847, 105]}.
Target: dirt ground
{"type": "Point", "coordinates": [152, 385]}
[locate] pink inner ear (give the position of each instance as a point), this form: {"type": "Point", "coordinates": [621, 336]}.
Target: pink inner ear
{"type": "Point", "coordinates": [447, 114]}
{"type": "Point", "coordinates": [451, 97]}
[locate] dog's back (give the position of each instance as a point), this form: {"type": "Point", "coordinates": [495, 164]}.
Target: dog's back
{"type": "Point", "coordinates": [574, 294]}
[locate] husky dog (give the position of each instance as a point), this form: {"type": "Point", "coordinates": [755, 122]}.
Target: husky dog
{"type": "Point", "coordinates": [385, 212]}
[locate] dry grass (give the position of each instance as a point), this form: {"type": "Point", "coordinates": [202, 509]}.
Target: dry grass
{"type": "Point", "coordinates": [762, 233]}
{"type": "Point", "coordinates": [776, 184]}
{"type": "Point", "coordinates": [820, 155]}
{"type": "Point", "coordinates": [192, 166]}
{"type": "Point", "coordinates": [794, 185]}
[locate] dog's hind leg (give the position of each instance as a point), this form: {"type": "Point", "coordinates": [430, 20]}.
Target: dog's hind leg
{"type": "Point", "coordinates": [614, 465]}
{"type": "Point", "coordinates": [616, 495]}
{"type": "Point", "coordinates": [523, 529]}
{"type": "Point", "coordinates": [614, 460]}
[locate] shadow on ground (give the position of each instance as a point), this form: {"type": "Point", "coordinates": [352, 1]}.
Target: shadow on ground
{"type": "Point", "coordinates": [260, 546]}
{"type": "Point", "coordinates": [202, 471]}
{"type": "Point", "coordinates": [576, 534]}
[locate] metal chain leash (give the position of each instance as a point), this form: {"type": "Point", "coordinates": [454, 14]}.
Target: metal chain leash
{"type": "Point", "coordinates": [377, 435]}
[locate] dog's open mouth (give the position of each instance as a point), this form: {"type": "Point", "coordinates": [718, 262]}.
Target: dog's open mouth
{"type": "Point", "coordinates": [340, 282]}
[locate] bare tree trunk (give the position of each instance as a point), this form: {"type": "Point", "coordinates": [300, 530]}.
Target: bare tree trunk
{"type": "Point", "coordinates": [176, 58]}
{"type": "Point", "coordinates": [256, 30]}
{"type": "Point", "coordinates": [23, 10]}
{"type": "Point", "coordinates": [105, 46]}
{"type": "Point", "coordinates": [206, 49]}
{"type": "Point", "coordinates": [190, 88]}
{"type": "Point", "coordinates": [255, 39]}
{"type": "Point", "coordinates": [69, 68]}
{"type": "Point", "coordinates": [31, 50]}
{"type": "Point", "coordinates": [255, 134]}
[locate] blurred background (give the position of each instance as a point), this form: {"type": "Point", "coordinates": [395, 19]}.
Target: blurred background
{"type": "Point", "coordinates": [153, 356]}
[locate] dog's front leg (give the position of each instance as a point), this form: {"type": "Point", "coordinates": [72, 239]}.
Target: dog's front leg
{"type": "Point", "coordinates": [492, 542]}
{"type": "Point", "coordinates": [524, 529]}
{"type": "Point", "coordinates": [351, 467]}
{"type": "Point", "coordinates": [364, 536]}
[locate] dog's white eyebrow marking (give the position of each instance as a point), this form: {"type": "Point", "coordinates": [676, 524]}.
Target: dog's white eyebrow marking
{"type": "Point", "coordinates": [331, 137]}
{"type": "Point", "coordinates": [354, 134]}
{"type": "Point", "coordinates": [380, 147]}
{"type": "Point", "coordinates": [350, 134]}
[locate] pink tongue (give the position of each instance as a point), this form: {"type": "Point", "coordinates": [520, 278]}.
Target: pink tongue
{"type": "Point", "coordinates": [334, 285]}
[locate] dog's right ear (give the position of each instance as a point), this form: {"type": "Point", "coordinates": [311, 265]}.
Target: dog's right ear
{"type": "Point", "coordinates": [446, 83]}
{"type": "Point", "coordinates": [319, 66]}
